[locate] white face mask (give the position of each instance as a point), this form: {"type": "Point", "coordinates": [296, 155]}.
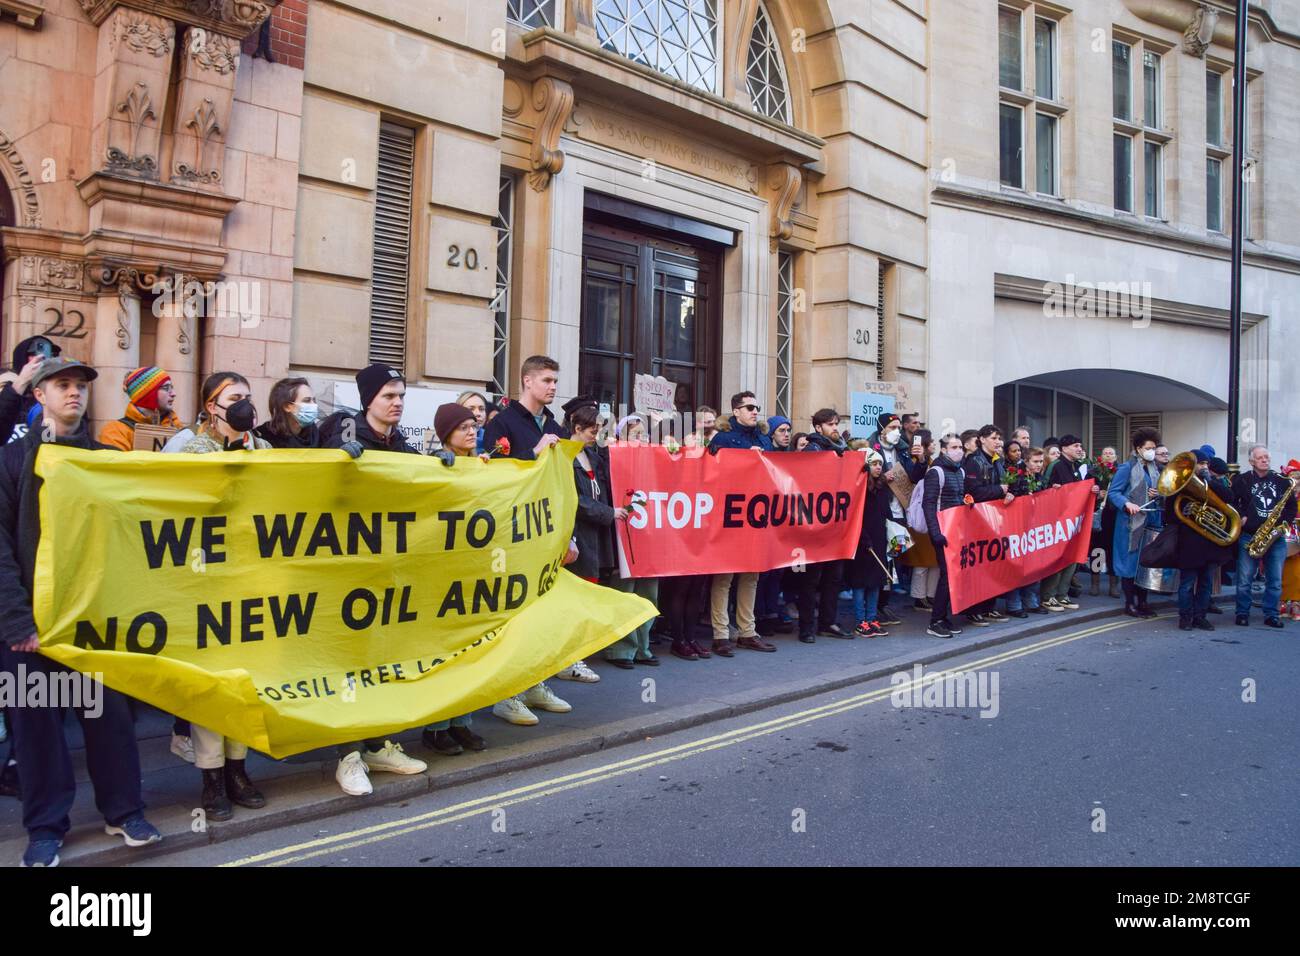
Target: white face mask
{"type": "Point", "coordinates": [956, 454]}
{"type": "Point", "coordinates": [891, 436]}
{"type": "Point", "coordinates": [1149, 454]}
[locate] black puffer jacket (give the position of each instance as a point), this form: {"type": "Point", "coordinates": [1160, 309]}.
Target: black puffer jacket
{"type": "Point", "coordinates": [984, 477]}
{"type": "Point", "coordinates": [934, 499]}
{"type": "Point", "coordinates": [20, 529]}
{"type": "Point", "coordinates": [369, 438]}
{"type": "Point", "coordinates": [594, 525]}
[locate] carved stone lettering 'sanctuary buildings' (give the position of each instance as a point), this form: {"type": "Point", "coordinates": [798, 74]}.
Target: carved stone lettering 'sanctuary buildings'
{"type": "Point", "coordinates": [1012, 211]}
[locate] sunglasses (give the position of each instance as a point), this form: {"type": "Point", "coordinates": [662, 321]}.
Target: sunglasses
{"type": "Point", "coordinates": [749, 408]}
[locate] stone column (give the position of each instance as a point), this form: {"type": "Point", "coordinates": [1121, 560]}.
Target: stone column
{"type": "Point", "coordinates": [204, 100]}
{"type": "Point", "coordinates": [176, 349]}
{"type": "Point", "coordinates": [117, 341]}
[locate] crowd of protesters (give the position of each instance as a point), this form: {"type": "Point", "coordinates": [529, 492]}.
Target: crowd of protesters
{"type": "Point", "coordinates": [899, 566]}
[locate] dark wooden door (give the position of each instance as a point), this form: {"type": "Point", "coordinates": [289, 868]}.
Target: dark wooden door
{"type": "Point", "coordinates": [650, 306]}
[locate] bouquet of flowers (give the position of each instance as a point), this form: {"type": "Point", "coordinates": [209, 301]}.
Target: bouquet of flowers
{"type": "Point", "coordinates": [1102, 472]}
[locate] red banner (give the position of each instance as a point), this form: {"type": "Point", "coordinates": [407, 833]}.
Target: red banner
{"type": "Point", "coordinates": [994, 548]}
{"type": "Point", "coordinates": [738, 510]}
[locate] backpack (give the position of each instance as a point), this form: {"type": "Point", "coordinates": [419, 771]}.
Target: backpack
{"type": "Point", "coordinates": [916, 505]}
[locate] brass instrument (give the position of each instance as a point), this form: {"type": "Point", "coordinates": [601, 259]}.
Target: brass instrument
{"type": "Point", "coordinates": [1197, 506]}
{"type": "Point", "coordinates": [1272, 527]}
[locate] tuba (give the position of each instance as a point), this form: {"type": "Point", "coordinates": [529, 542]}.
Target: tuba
{"type": "Point", "coordinates": [1196, 505]}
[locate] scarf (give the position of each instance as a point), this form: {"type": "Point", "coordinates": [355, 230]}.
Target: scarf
{"type": "Point", "coordinates": [1138, 478]}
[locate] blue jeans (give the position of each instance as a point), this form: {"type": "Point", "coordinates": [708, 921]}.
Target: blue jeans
{"type": "Point", "coordinates": [866, 604]}
{"type": "Point", "coordinates": [1023, 599]}
{"type": "Point", "coordinates": [1273, 560]}
{"type": "Point", "coordinates": [1194, 591]}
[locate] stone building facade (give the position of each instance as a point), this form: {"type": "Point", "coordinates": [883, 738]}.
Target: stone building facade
{"type": "Point", "coordinates": [150, 170]}
{"type": "Point", "coordinates": [793, 196]}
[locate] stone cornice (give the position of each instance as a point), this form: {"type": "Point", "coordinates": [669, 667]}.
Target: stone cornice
{"type": "Point", "coordinates": [592, 69]}
{"type": "Point", "coordinates": [235, 18]}
{"type": "Point", "coordinates": [1062, 216]}
{"type": "Point", "coordinates": [1039, 291]}
{"type": "Point", "coordinates": [28, 12]}
{"type": "Point", "coordinates": [99, 186]}
{"type": "Point", "coordinates": [1177, 14]}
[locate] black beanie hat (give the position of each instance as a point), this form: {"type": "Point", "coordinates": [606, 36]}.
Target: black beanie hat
{"type": "Point", "coordinates": [372, 378]}
{"type": "Point", "coordinates": [448, 418]}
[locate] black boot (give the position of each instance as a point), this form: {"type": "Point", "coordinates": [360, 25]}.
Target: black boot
{"type": "Point", "coordinates": [1142, 609]}
{"type": "Point", "coordinates": [1184, 622]}
{"type": "Point", "coordinates": [1201, 624]}
{"type": "Point", "coordinates": [9, 785]}
{"type": "Point", "coordinates": [216, 805]}
{"type": "Point", "coordinates": [240, 789]}
{"type": "Point", "coordinates": [1114, 589]}
{"type": "Point", "coordinates": [1130, 597]}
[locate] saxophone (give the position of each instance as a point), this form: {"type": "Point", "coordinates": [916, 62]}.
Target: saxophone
{"type": "Point", "coordinates": [1272, 529]}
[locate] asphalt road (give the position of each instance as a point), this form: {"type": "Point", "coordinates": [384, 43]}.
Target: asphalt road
{"type": "Point", "coordinates": [1129, 744]}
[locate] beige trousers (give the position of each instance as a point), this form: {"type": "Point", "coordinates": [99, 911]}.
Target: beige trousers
{"type": "Point", "coordinates": [211, 750]}
{"type": "Point", "coordinates": [746, 589]}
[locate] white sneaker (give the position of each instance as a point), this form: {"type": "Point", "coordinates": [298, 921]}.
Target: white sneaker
{"type": "Point", "coordinates": [354, 776]}
{"type": "Point", "coordinates": [543, 698]}
{"type": "Point", "coordinates": [183, 747]}
{"type": "Point", "coordinates": [513, 711]}
{"type": "Point", "coordinates": [392, 759]}
{"type": "Point", "coordinates": [579, 672]}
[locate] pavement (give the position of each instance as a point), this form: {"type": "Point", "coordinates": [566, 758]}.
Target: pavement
{"type": "Point", "coordinates": [1115, 744]}
{"type": "Point", "coordinates": [624, 707]}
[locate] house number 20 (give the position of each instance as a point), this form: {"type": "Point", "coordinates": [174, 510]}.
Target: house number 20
{"type": "Point", "coordinates": [454, 258]}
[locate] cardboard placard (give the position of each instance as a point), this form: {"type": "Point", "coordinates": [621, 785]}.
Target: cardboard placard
{"type": "Point", "coordinates": [152, 437]}
{"type": "Point", "coordinates": [653, 393]}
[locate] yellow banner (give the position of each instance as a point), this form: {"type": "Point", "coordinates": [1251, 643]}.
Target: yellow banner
{"type": "Point", "coordinates": [294, 599]}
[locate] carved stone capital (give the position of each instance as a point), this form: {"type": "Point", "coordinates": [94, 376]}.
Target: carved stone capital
{"type": "Point", "coordinates": [143, 33]}
{"type": "Point", "coordinates": [125, 279]}
{"type": "Point", "coordinates": [786, 180]}
{"type": "Point", "coordinates": [48, 272]}
{"type": "Point", "coordinates": [234, 18]}
{"type": "Point", "coordinates": [553, 99]}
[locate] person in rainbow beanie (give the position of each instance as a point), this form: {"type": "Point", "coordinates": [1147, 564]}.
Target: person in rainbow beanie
{"type": "Point", "coordinates": [150, 395]}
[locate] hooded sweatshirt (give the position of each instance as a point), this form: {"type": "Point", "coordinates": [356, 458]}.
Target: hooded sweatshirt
{"type": "Point", "coordinates": [15, 408]}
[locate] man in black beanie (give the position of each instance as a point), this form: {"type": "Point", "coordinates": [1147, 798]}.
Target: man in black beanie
{"type": "Point", "coordinates": [382, 390]}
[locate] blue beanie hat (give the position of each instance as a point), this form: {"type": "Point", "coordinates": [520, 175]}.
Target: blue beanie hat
{"type": "Point", "coordinates": [1207, 451]}
{"type": "Point", "coordinates": [775, 422]}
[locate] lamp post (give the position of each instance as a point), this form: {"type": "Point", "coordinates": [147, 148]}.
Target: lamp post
{"type": "Point", "coordinates": [1238, 230]}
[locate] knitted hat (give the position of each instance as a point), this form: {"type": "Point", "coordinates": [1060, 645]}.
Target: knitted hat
{"type": "Point", "coordinates": [885, 418]}
{"type": "Point", "coordinates": [372, 378]}
{"type": "Point", "coordinates": [775, 422]}
{"type": "Point", "coordinates": [448, 418]}
{"type": "Point", "coordinates": [141, 386]}
{"type": "Point", "coordinates": [1068, 440]}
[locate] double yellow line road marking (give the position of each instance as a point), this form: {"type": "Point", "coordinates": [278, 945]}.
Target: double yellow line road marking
{"type": "Point", "coordinates": [365, 836]}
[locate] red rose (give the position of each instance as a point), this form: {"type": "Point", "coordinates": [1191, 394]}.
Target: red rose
{"type": "Point", "coordinates": [968, 500]}
{"type": "Point", "coordinates": [502, 446]}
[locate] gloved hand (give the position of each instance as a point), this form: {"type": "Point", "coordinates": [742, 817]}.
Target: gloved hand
{"type": "Point", "coordinates": [446, 456]}
{"type": "Point", "coordinates": [938, 539]}
{"type": "Point", "coordinates": [353, 448]}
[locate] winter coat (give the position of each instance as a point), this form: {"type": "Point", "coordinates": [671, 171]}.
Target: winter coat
{"type": "Point", "coordinates": [307, 437]}
{"type": "Point", "coordinates": [1065, 472]}
{"type": "Point", "coordinates": [206, 442]}
{"type": "Point", "coordinates": [516, 424]}
{"type": "Point", "coordinates": [934, 499]}
{"type": "Point", "coordinates": [368, 437]}
{"type": "Point", "coordinates": [20, 529]}
{"type": "Point", "coordinates": [595, 526]}
{"type": "Point", "coordinates": [819, 442]}
{"type": "Point", "coordinates": [984, 477]}
{"type": "Point", "coordinates": [863, 570]}
{"type": "Point", "coordinates": [1193, 551]}
{"type": "Point", "coordinates": [732, 434]}
{"type": "Point", "coordinates": [120, 434]}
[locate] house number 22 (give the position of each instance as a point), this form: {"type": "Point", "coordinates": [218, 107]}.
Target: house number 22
{"type": "Point", "coordinates": [454, 258]}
